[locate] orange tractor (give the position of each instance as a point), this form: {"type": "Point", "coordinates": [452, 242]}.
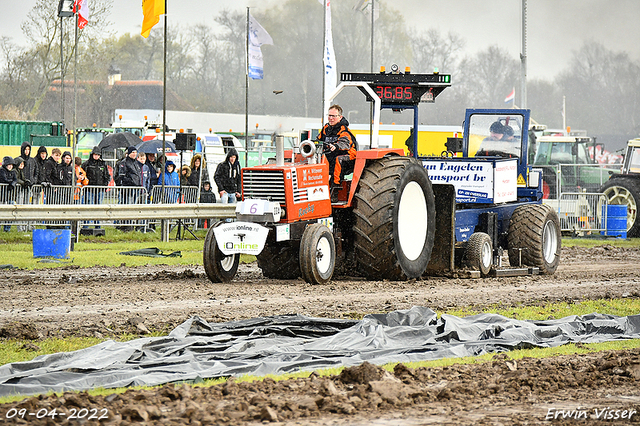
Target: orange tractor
{"type": "Point", "coordinates": [383, 225]}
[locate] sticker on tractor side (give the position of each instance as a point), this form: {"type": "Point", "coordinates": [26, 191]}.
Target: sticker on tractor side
{"type": "Point", "coordinates": [328, 222]}
{"type": "Point", "coordinates": [317, 193]}
{"type": "Point", "coordinates": [241, 237]}
{"type": "Point", "coordinates": [283, 233]}
{"type": "Point", "coordinates": [257, 207]}
{"type": "Point", "coordinates": [521, 181]}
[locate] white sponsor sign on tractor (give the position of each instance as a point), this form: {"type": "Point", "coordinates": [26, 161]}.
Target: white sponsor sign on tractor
{"type": "Point", "coordinates": [241, 237]}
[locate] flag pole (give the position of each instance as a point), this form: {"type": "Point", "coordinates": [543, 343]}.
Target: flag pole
{"type": "Point", "coordinates": [164, 101]}
{"type": "Point", "coordinates": [324, 65]}
{"type": "Point", "coordinates": [371, 112]}
{"type": "Point", "coordinates": [246, 99]}
{"type": "Point", "coordinates": [75, 85]}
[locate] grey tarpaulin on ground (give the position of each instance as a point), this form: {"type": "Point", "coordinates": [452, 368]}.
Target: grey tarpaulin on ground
{"type": "Point", "coordinates": [274, 345]}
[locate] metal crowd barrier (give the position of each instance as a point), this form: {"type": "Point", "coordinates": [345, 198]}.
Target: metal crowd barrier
{"type": "Point", "coordinates": [581, 213]}
{"type": "Point", "coordinates": [10, 194]}
{"type": "Point", "coordinates": [571, 178]}
{"type": "Point", "coordinates": [173, 194]}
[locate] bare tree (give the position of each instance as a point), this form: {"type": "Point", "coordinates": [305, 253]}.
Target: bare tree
{"type": "Point", "coordinates": [42, 29]}
{"type": "Point", "coordinates": [489, 77]}
{"type": "Point", "coordinates": [602, 90]}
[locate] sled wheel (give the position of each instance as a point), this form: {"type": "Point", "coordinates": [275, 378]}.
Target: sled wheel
{"type": "Point", "coordinates": [625, 191]}
{"type": "Point", "coordinates": [279, 261]}
{"type": "Point", "coordinates": [534, 237]}
{"type": "Point", "coordinates": [394, 219]}
{"type": "Point", "coordinates": [218, 267]}
{"type": "Point", "coordinates": [317, 254]}
{"type": "Point", "coordinates": [478, 253]}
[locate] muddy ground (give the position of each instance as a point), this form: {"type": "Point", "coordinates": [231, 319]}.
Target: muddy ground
{"type": "Point", "coordinates": [106, 301]}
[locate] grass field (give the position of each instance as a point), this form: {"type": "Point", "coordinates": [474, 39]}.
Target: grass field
{"type": "Point", "coordinates": [17, 249]}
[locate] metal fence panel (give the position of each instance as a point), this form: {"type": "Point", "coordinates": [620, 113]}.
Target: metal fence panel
{"type": "Point", "coordinates": [579, 177]}
{"type": "Point", "coordinates": [173, 194]}
{"type": "Point", "coordinates": [581, 212]}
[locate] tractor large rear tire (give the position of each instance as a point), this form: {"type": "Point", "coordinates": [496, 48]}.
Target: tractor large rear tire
{"type": "Point", "coordinates": [218, 267]}
{"type": "Point", "coordinates": [625, 191]}
{"type": "Point", "coordinates": [279, 261]}
{"type": "Point", "coordinates": [394, 219]}
{"type": "Point", "coordinates": [534, 237]}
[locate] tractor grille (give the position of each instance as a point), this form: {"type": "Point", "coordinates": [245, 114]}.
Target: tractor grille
{"type": "Point", "coordinates": [299, 195]}
{"type": "Point", "coordinates": [263, 184]}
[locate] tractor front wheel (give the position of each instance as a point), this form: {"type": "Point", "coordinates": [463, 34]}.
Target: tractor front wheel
{"type": "Point", "coordinates": [317, 254]}
{"type": "Point", "coordinates": [219, 267]}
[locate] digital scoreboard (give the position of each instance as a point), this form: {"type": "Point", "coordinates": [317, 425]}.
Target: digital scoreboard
{"type": "Point", "coordinates": [401, 88]}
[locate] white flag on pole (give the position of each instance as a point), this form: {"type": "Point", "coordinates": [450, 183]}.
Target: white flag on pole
{"type": "Point", "coordinates": [330, 68]}
{"type": "Point", "coordinates": [257, 37]}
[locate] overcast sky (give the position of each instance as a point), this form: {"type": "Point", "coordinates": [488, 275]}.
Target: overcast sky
{"type": "Point", "coordinates": [556, 28]}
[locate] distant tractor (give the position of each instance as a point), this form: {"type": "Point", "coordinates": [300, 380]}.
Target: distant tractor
{"type": "Point", "coordinates": [397, 217]}
{"type": "Point", "coordinates": [566, 164]}
{"type": "Point", "coordinates": [624, 188]}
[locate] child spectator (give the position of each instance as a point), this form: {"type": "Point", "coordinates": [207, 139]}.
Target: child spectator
{"type": "Point", "coordinates": [171, 178]}
{"type": "Point", "coordinates": [81, 180]}
{"type": "Point", "coordinates": [206, 196]}
{"type": "Point", "coordinates": [185, 173]}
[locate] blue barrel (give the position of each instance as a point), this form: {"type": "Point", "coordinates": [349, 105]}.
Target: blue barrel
{"type": "Point", "coordinates": [616, 225]}
{"type": "Point", "coordinates": [52, 243]}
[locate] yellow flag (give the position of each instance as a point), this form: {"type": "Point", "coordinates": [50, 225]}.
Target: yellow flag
{"type": "Point", "coordinates": [151, 9]}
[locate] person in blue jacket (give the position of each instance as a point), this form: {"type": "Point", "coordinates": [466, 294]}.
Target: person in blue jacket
{"type": "Point", "coordinates": [171, 179]}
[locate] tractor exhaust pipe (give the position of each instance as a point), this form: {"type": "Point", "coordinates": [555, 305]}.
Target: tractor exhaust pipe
{"type": "Point", "coordinates": [279, 150]}
{"type": "Point", "coordinates": [308, 150]}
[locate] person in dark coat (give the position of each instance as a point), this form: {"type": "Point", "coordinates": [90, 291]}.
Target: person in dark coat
{"type": "Point", "coordinates": [198, 167]}
{"type": "Point", "coordinates": [185, 174]}
{"type": "Point", "coordinates": [8, 174]}
{"type": "Point", "coordinates": [29, 170]}
{"type": "Point", "coordinates": [66, 168]}
{"type": "Point", "coordinates": [51, 169]}
{"type": "Point", "coordinates": [9, 178]}
{"type": "Point", "coordinates": [146, 172]}
{"type": "Point", "coordinates": [20, 175]}
{"type": "Point", "coordinates": [98, 176]}
{"type": "Point", "coordinates": [51, 177]}
{"type": "Point", "coordinates": [38, 172]}
{"type": "Point", "coordinates": [23, 183]}
{"type": "Point", "coordinates": [129, 173]}
{"type": "Point", "coordinates": [206, 196]}
{"type": "Point", "coordinates": [153, 170]}
{"type": "Point", "coordinates": [228, 178]}
{"type": "Point", "coordinates": [129, 169]}
{"type": "Point", "coordinates": [96, 169]}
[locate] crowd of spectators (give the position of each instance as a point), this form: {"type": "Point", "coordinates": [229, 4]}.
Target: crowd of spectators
{"type": "Point", "coordinates": [60, 179]}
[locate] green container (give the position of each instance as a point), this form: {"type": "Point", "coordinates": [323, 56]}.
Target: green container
{"type": "Point", "coordinates": [14, 132]}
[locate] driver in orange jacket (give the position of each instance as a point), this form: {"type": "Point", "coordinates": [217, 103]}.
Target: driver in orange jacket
{"type": "Point", "coordinates": [339, 146]}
